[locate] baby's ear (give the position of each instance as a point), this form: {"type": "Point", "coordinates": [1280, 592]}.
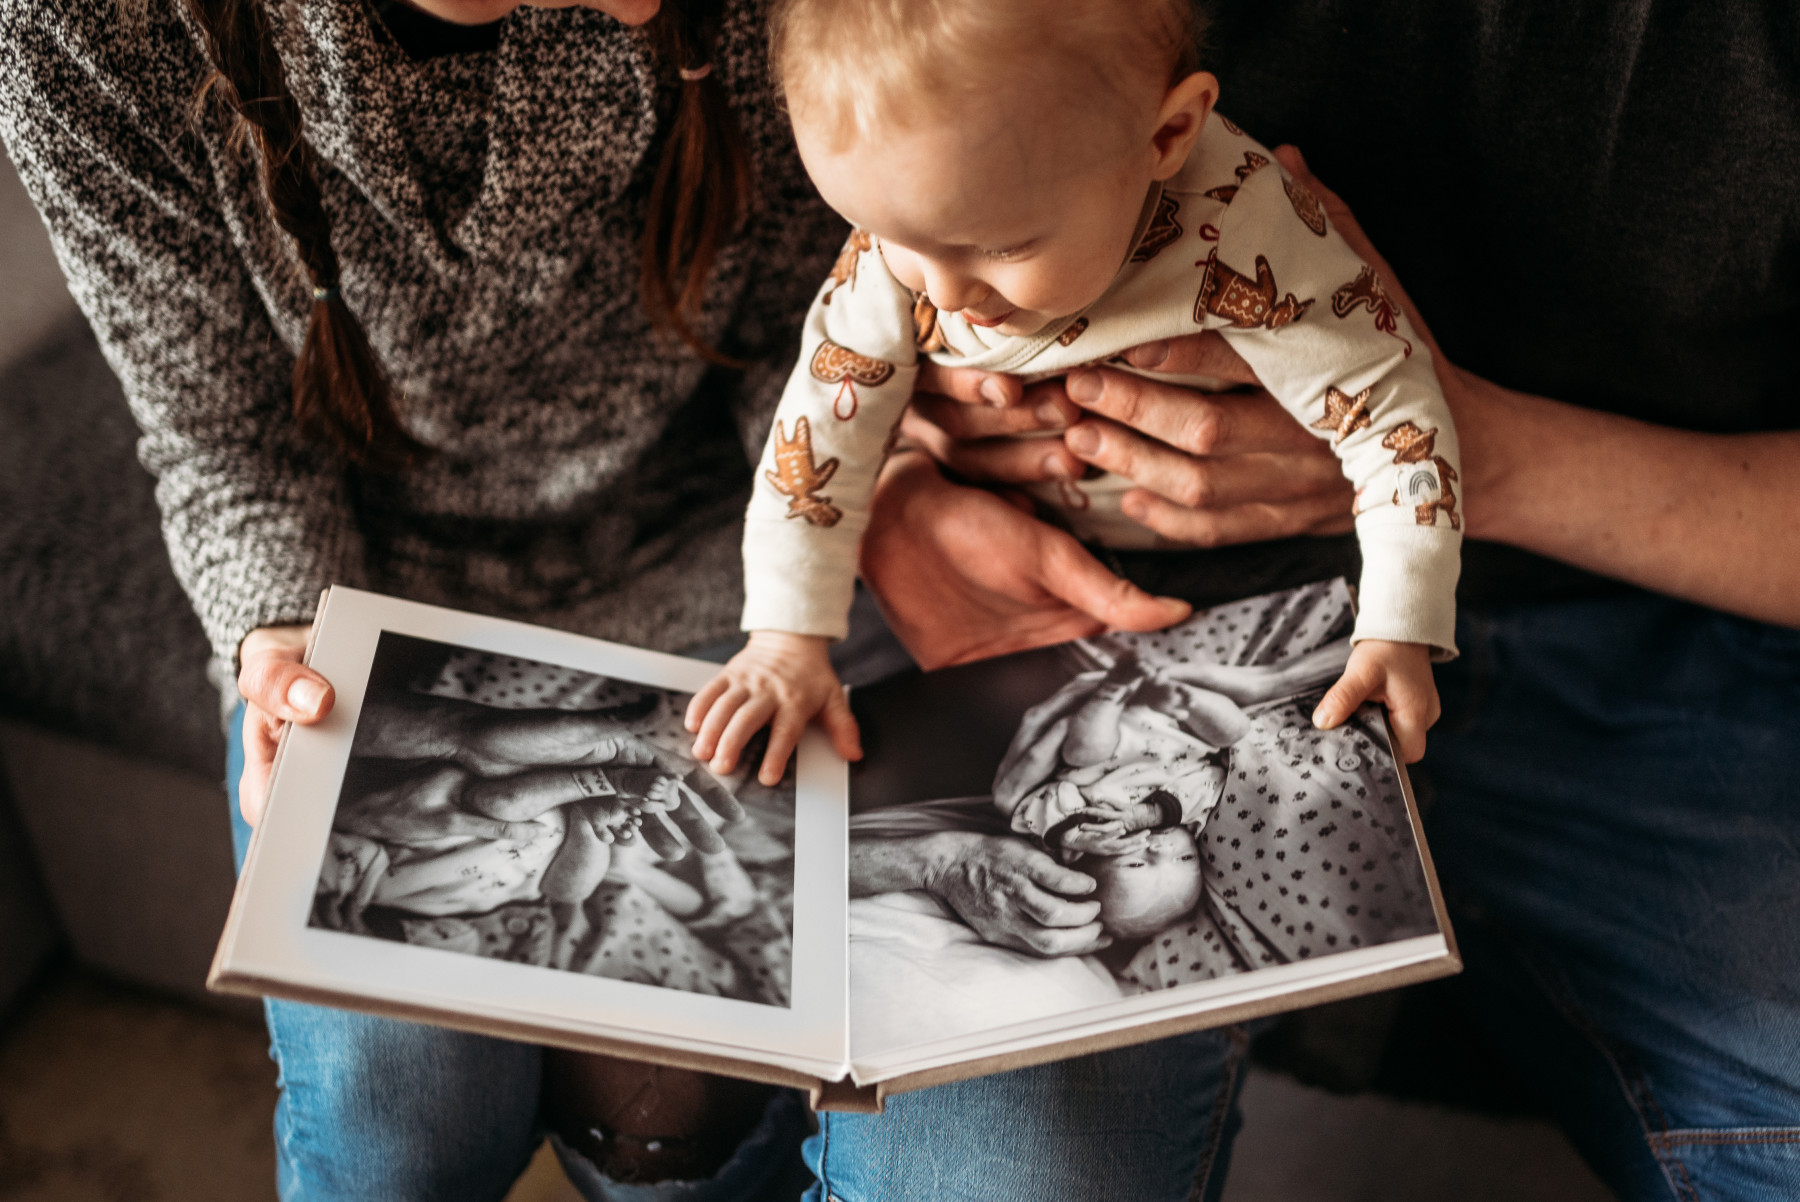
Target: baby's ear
{"type": "Point", "coordinates": [1183, 114]}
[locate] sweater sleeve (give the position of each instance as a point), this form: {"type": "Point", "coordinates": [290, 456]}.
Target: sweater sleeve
{"type": "Point", "coordinates": [257, 521]}
{"type": "Point", "coordinates": [832, 431]}
{"type": "Point", "coordinates": [1311, 318]}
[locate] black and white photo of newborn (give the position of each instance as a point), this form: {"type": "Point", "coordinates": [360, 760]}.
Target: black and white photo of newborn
{"type": "Point", "coordinates": [524, 811]}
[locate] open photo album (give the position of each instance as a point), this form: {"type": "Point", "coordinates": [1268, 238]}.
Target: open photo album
{"type": "Point", "coordinates": [502, 828]}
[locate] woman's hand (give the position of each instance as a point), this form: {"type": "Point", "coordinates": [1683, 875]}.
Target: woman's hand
{"type": "Point", "coordinates": [277, 688]}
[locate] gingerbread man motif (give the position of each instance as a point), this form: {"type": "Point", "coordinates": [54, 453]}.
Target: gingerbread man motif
{"type": "Point", "coordinates": [834, 364]}
{"type": "Point", "coordinates": [928, 337]}
{"type": "Point", "coordinates": [1365, 291]}
{"type": "Point", "coordinates": [1245, 304]}
{"type": "Point", "coordinates": [1412, 445]}
{"type": "Point", "coordinates": [1345, 414]}
{"type": "Point", "coordinates": [798, 478]}
{"type": "Point", "coordinates": [1306, 206]}
{"type": "Point", "coordinates": [1162, 230]}
{"type": "Point", "coordinates": [844, 270]}
{"type": "Point", "coordinates": [1252, 163]}
{"type": "Point", "coordinates": [1074, 331]}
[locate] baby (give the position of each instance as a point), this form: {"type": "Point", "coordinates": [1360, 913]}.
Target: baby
{"type": "Point", "coordinates": [1115, 774]}
{"type": "Point", "coordinates": [1038, 187]}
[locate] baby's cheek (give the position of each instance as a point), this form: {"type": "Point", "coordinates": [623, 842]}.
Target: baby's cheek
{"type": "Point", "coordinates": [904, 265]}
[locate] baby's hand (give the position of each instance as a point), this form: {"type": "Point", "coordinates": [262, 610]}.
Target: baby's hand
{"type": "Point", "coordinates": [781, 681]}
{"type": "Point", "coordinates": [1399, 676]}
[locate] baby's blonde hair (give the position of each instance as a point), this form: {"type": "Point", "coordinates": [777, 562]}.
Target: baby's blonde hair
{"type": "Point", "coordinates": [862, 63]}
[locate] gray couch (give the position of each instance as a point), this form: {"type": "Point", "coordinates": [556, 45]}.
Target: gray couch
{"type": "Point", "coordinates": [113, 839]}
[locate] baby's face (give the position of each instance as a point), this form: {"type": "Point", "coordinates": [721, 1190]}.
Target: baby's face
{"type": "Point", "coordinates": [1010, 212]}
{"type": "Point", "coordinates": [1144, 891]}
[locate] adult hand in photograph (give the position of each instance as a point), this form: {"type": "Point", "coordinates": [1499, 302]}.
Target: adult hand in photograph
{"type": "Point", "coordinates": [508, 767]}
{"type": "Point", "coordinates": [1009, 892]}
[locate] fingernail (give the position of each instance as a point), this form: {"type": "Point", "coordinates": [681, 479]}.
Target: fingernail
{"type": "Point", "coordinates": [1083, 387]}
{"type": "Point", "coordinates": [1051, 416]}
{"type": "Point", "coordinates": [305, 696]}
{"type": "Point", "coordinates": [1083, 440]}
{"type": "Point", "coordinates": [1057, 468]}
{"type": "Point", "coordinates": [994, 391]}
{"type": "Point", "coordinates": [1151, 354]}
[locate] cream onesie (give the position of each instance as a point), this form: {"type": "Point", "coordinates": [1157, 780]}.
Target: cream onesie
{"type": "Point", "coordinates": [1230, 244]}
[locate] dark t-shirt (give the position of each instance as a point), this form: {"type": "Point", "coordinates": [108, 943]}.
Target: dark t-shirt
{"type": "Point", "coordinates": [1593, 200]}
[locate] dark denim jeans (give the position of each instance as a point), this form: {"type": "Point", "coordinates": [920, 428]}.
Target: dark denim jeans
{"type": "Point", "coordinates": [1617, 822]}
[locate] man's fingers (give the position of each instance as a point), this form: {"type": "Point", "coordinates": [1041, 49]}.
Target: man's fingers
{"type": "Point", "coordinates": [1248, 523]}
{"type": "Point", "coordinates": [1051, 410]}
{"type": "Point", "coordinates": [1076, 577]}
{"type": "Point", "coordinates": [715, 795]}
{"type": "Point", "coordinates": [995, 460]}
{"type": "Point", "coordinates": [1219, 423]}
{"type": "Point", "coordinates": [969, 385]}
{"type": "Point", "coordinates": [1052, 942]}
{"type": "Point", "coordinates": [1207, 482]}
{"type": "Point", "coordinates": [1057, 878]}
{"type": "Point", "coordinates": [1205, 354]}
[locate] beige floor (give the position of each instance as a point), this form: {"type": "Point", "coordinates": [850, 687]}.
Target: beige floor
{"type": "Point", "coordinates": [109, 1095]}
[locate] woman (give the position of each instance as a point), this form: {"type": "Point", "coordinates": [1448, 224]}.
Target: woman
{"type": "Point", "coordinates": [435, 299]}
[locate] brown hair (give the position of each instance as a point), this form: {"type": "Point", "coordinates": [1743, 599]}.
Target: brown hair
{"type": "Point", "coordinates": [341, 394]}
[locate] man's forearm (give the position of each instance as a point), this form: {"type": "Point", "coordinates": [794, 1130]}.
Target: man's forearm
{"type": "Point", "coordinates": [880, 864]}
{"type": "Point", "coordinates": [1709, 518]}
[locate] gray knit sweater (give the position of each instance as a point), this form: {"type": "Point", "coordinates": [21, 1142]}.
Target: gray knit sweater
{"type": "Point", "coordinates": [585, 472]}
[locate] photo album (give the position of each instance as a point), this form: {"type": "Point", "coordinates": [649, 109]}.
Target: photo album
{"type": "Point", "coordinates": [502, 828]}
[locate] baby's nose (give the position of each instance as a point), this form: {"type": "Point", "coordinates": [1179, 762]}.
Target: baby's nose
{"type": "Point", "coordinates": [951, 292]}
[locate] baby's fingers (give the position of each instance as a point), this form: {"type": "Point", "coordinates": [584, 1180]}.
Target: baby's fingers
{"type": "Point", "coordinates": [840, 724]}
{"type": "Point", "coordinates": [1355, 686]}
{"type": "Point", "coordinates": [784, 736]}
{"type": "Point", "coordinates": [716, 718]}
{"type": "Point", "coordinates": [1412, 709]}
{"type": "Point", "coordinates": [752, 715]}
{"type": "Point", "coordinates": [703, 702]}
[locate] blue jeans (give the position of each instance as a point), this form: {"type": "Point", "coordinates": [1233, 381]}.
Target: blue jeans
{"type": "Point", "coordinates": [1618, 829]}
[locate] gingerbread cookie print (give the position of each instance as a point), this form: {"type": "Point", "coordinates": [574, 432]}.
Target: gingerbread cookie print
{"type": "Point", "coordinates": [1075, 330]}
{"type": "Point", "coordinates": [798, 477]}
{"type": "Point", "coordinates": [834, 364]}
{"type": "Point", "coordinates": [1306, 206]}
{"type": "Point", "coordinates": [928, 334]}
{"type": "Point", "coordinates": [843, 272]}
{"type": "Point", "coordinates": [1344, 414]}
{"type": "Point", "coordinates": [1252, 163]}
{"type": "Point", "coordinates": [1365, 291]}
{"type": "Point", "coordinates": [1245, 303]}
{"type": "Point", "coordinates": [1162, 231]}
{"type": "Point", "coordinates": [1427, 486]}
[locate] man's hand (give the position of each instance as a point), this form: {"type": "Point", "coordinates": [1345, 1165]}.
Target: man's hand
{"type": "Point", "coordinates": [963, 574]}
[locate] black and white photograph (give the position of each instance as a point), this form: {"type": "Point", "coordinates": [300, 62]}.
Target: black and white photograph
{"type": "Point", "coordinates": [524, 811]}
{"type": "Point", "coordinates": [1130, 813]}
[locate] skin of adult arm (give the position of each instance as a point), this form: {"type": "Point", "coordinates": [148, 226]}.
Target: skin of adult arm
{"type": "Point", "coordinates": [1007, 891]}
{"type": "Point", "coordinates": [1591, 489]}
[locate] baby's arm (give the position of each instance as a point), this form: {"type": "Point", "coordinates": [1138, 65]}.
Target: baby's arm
{"type": "Point", "coordinates": [779, 680]}
{"type": "Point", "coordinates": [807, 513]}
